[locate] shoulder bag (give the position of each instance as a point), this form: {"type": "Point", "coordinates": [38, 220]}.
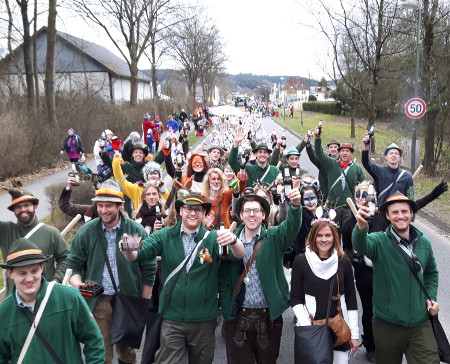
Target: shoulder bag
{"type": "Point", "coordinates": [130, 313]}
{"type": "Point", "coordinates": [336, 323]}
{"type": "Point", "coordinates": [314, 343]}
{"type": "Point", "coordinates": [439, 333]}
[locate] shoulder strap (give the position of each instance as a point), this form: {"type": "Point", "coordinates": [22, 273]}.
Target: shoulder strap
{"type": "Point", "coordinates": [330, 299]}
{"type": "Point", "coordinates": [184, 262]}
{"type": "Point", "coordinates": [32, 231]}
{"type": "Point", "coordinates": [388, 189]}
{"type": "Point", "coordinates": [408, 263]}
{"type": "Point", "coordinates": [101, 242]}
{"type": "Point", "coordinates": [247, 268]}
{"type": "Point", "coordinates": [36, 322]}
{"type": "Point", "coordinates": [178, 270]}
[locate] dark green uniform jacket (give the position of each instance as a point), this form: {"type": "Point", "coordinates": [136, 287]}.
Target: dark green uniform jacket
{"type": "Point", "coordinates": [194, 298]}
{"type": "Point", "coordinates": [254, 172]}
{"type": "Point", "coordinates": [397, 297]}
{"type": "Point", "coordinates": [86, 255]}
{"type": "Point", "coordinates": [65, 323]}
{"type": "Point", "coordinates": [47, 237]}
{"type": "Point", "coordinates": [269, 263]}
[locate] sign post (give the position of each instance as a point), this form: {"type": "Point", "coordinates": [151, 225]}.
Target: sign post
{"type": "Point", "coordinates": [415, 108]}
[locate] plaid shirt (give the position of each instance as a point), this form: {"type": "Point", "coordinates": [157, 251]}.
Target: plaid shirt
{"type": "Point", "coordinates": [254, 293]}
{"type": "Point", "coordinates": [188, 245]}
{"type": "Point", "coordinates": [110, 236]}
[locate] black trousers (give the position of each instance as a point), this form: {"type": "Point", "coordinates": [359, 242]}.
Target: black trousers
{"type": "Point", "coordinates": [253, 337]}
{"type": "Point", "coordinates": [366, 293]}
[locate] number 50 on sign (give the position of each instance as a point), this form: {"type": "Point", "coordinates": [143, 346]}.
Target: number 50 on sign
{"type": "Point", "coordinates": [415, 108]}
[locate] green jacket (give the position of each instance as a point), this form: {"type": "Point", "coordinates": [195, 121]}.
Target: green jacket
{"type": "Point", "coordinates": [337, 195]}
{"type": "Point", "coordinates": [269, 262]}
{"type": "Point", "coordinates": [47, 237]}
{"type": "Point", "coordinates": [253, 171]}
{"type": "Point", "coordinates": [194, 297]}
{"type": "Point", "coordinates": [397, 298]}
{"type": "Point", "coordinates": [323, 177]}
{"type": "Point", "coordinates": [66, 322]}
{"type": "Point", "coordinates": [86, 258]}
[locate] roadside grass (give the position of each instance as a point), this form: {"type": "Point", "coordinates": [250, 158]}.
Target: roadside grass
{"type": "Point", "coordinates": [194, 138]}
{"type": "Point", "coordinates": [338, 127]}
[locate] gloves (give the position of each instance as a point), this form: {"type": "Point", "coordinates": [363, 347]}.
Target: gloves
{"type": "Point", "coordinates": [164, 148]}
{"type": "Point", "coordinates": [116, 144]}
{"type": "Point", "coordinates": [439, 190]}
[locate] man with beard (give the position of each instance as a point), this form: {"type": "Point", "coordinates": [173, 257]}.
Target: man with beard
{"type": "Point", "coordinates": [87, 260]}
{"type": "Point", "coordinates": [401, 311]}
{"type": "Point", "coordinates": [262, 173]}
{"type": "Point", "coordinates": [343, 175]}
{"type": "Point", "coordinates": [48, 238]}
{"type": "Point", "coordinates": [190, 318]}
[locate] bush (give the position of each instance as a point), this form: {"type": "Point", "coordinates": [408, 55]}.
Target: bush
{"type": "Point", "coordinates": [332, 108]}
{"type": "Point", "coordinates": [27, 137]}
{"type": "Point", "coordinates": [312, 98]}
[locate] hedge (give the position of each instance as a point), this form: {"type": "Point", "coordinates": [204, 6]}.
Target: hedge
{"type": "Point", "coordinates": [333, 108]}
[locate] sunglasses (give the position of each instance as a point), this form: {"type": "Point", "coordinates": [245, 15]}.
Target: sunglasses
{"type": "Point", "coordinates": [415, 262]}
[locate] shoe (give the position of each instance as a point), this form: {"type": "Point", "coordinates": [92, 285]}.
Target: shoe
{"type": "Point", "coordinates": [371, 356]}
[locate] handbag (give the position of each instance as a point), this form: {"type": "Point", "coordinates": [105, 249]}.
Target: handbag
{"type": "Point", "coordinates": [314, 343]}
{"type": "Point", "coordinates": [439, 333]}
{"type": "Point", "coordinates": [130, 313]}
{"type": "Point", "coordinates": [153, 334]}
{"type": "Point", "coordinates": [336, 323]}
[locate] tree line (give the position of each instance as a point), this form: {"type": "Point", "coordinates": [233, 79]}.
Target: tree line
{"type": "Point", "coordinates": [372, 45]}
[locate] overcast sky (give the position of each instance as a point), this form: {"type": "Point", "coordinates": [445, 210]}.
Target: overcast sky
{"type": "Point", "coordinates": [261, 37]}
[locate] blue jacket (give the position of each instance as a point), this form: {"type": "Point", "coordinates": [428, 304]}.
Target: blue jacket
{"type": "Point", "coordinates": [383, 176]}
{"type": "Point", "coordinates": [172, 124]}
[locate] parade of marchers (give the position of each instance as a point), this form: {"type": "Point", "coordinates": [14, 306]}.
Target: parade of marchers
{"type": "Point", "coordinates": [227, 236]}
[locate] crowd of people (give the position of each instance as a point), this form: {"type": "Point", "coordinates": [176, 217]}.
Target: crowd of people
{"type": "Point", "coordinates": [192, 262]}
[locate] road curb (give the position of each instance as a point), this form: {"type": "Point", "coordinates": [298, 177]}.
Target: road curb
{"type": "Point", "coordinates": [422, 213]}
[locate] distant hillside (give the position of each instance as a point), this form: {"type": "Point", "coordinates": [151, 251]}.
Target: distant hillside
{"type": "Point", "coordinates": [241, 80]}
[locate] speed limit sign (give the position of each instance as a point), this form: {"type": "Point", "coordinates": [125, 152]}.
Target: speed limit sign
{"type": "Point", "coordinates": [415, 108]}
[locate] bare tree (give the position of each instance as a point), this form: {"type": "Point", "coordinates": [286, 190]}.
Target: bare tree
{"type": "Point", "coordinates": [198, 48]}
{"type": "Point", "coordinates": [130, 19]}
{"type": "Point", "coordinates": [163, 16]}
{"type": "Point", "coordinates": [10, 47]}
{"type": "Point", "coordinates": [50, 64]}
{"type": "Point", "coordinates": [359, 36]}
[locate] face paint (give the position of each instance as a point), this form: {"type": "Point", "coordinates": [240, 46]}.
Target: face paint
{"type": "Point", "coordinates": [309, 199]}
{"type": "Point", "coordinates": [197, 162]}
{"type": "Point", "coordinates": [361, 194]}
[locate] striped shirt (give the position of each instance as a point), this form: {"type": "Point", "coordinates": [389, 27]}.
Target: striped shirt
{"type": "Point", "coordinates": [110, 236]}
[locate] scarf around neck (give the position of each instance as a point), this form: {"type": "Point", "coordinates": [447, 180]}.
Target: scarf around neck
{"type": "Point", "coordinates": [323, 269]}
{"type": "Point", "coordinates": [344, 164]}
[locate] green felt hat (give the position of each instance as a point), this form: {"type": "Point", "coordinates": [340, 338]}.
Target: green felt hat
{"type": "Point", "coordinates": [262, 146]}
{"type": "Point", "coordinates": [192, 199]}
{"type": "Point", "coordinates": [24, 252]}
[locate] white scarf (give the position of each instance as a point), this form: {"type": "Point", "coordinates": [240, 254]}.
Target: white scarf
{"type": "Point", "coordinates": [323, 269]}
